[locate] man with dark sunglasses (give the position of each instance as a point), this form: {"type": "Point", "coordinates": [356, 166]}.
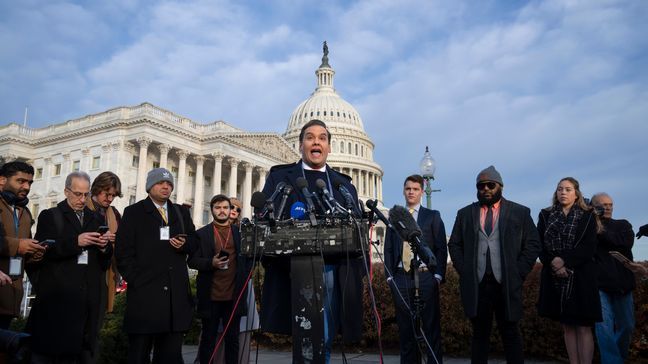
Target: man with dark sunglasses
{"type": "Point", "coordinates": [493, 246]}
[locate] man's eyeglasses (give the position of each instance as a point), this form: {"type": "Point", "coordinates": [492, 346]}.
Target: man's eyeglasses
{"type": "Point", "coordinates": [483, 185]}
{"type": "Point", "coordinates": [79, 194]}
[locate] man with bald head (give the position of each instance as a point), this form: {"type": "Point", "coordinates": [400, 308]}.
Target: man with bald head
{"type": "Point", "coordinates": [615, 282]}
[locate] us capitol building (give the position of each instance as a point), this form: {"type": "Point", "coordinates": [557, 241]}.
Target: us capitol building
{"type": "Point", "coordinates": [206, 159]}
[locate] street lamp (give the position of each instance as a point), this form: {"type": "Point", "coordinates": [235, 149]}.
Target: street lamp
{"type": "Point", "coordinates": [428, 166]}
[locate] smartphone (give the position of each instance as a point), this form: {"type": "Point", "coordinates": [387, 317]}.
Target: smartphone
{"type": "Point", "coordinates": [102, 229]}
{"type": "Point", "coordinates": [181, 236]}
{"type": "Point", "coordinates": [222, 254]}
{"type": "Point", "coordinates": [47, 242]}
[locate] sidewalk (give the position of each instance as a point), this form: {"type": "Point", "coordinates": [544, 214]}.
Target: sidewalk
{"type": "Point", "coordinates": [284, 357]}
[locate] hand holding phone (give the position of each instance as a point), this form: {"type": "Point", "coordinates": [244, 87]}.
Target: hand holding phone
{"type": "Point", "coordinates": [47, 242]}
{"type": "Point", "coordinates": [102, 229]}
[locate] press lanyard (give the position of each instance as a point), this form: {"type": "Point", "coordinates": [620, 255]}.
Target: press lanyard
{"type": "Point", "coordinates": [218, 237]}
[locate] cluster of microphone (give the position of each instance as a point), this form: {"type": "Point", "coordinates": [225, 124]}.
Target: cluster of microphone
{"type": "Point", "coordinates": [320, 200]}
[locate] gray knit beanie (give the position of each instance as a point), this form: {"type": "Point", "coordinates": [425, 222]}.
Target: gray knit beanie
{"type": "Point", "coordinates": [490, 174]}
{"type": "Point", "coordinates": [158, 175]}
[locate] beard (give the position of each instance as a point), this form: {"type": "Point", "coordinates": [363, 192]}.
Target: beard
{"type": "Point", "coordinates": [492, 200]}
{"type": "Point", "coordinates": [221, 221]}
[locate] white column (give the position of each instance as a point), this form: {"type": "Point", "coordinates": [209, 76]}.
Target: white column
{"type": "Point", "coordinates": [247, 190]}
{"type": "Point", "coordinates": [164, 153]}
{"type": "Point", "coordinates": [181, 177]}
{"type": "Point", "coordinates": [380, 191]}
{"type": "Point", "coordinates": [105, 157]}
{"type": "Point", "coordinates": [233, 176]}
{"type": "Point", "coordinates": [85, 160]}
{"type": "Point", "coordinates": [262, 177]}
{"type": "Point", "coordinates": [218, 171]}
{"type": "Point", "coordinates": [141, 168]}
{"type": "Point", "coordinates": [200, 191]}
{"type": "Point", "coordinates": [47, 166]}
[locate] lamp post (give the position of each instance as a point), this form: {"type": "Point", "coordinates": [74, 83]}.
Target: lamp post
{"type": "Point", "coordinates": [428, 166]}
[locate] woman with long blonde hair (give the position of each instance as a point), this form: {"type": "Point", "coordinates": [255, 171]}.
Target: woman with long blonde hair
{"type": "Point", "coordinates": [568, 285]}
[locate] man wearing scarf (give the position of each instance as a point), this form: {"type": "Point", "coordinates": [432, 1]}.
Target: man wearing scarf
{"type": "Point", "coordinates": [16, 220]}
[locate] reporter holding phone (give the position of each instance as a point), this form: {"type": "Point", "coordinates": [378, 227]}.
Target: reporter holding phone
{"type": "Point", "coordinates": [154, 239]}
{"type": "Point", "coordinates": [64, 319]}
{"type": "Point", "coordinates": [221, 277]}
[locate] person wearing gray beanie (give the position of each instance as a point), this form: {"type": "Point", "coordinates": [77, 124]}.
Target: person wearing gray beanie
{"type": "Point", "coordinates": [490, 174]}
{"type": "Point", "coordinates": [158, 175]}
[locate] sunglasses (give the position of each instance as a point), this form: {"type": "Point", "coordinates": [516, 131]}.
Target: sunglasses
{"type": "Point", "coordinates": [238, 209]}
{"type": "Point", "coordinates": [483, 185]}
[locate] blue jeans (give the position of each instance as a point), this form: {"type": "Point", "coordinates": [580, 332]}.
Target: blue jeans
{"type": "Point", "coordinates": [614, 333]}
{"type": "Point", "coordinates": [331, 310]}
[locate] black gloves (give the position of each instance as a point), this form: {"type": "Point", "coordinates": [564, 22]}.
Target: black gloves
{"type": "Point", "coordinates": [643, 231]}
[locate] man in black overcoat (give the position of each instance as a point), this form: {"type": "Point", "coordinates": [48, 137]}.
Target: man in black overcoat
{"type": "Point", "coordinates": [398, 262]}
{"type": "Point", "coordinates": [154, 239]}
{"type": "Point", "coordinates": [493, 246]}
{"type": "Point", "coordinates": [342, 274]}
{"type": "Point", "coordinates": [64, 318]}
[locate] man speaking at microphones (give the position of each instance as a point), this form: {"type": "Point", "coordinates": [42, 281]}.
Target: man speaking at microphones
{"type": "Point", "coordinates": [398, 260]}
{"type": "Point", "coordinates": [342, 277]}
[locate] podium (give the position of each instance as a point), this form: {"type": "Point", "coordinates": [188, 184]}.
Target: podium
{"type": "Point", "coordinates": [306, 245]}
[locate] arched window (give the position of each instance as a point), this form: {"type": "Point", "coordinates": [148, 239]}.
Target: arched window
{"type": "Point", "coordinates": [350, 148]}
{"type": "Point", "coordinates": [356, 149]}
{"type": "Point", "coordinates": [341, 147]}
{"type": "Point", "coordinates": [362, 150]}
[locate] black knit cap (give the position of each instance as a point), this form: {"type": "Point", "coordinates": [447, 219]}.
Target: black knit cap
{"type": "Point", "coordinates": [490, 174]}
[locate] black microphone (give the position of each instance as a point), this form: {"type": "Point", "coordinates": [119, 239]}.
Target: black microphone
{"type": "Point", "coordinates": [258, 201]}
{"type": "Point", "coordinates": [409, 231]}
{"type": "Point", "coordinates": [348, 197]}
{"type": "Point", "coordinates": [286, 191]}
{"type": "Point", "coordinates": [331, 203]}
{"type": "Point", "coordinates": [302, 184]}
{"type": "Point", "coordinates": [280, 186]}
{"type": "Point", "coordinates": [372, 205]}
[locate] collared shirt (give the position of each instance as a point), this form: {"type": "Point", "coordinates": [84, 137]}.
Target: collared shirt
{"type": "Point", "coordinates": [416, 211]}
{"type": "Point", "coordinates": [164, 206]}
{"type": "Point", "coordinates": [483, 210]}
{"type": "Point", "coordinates": [306, 167]}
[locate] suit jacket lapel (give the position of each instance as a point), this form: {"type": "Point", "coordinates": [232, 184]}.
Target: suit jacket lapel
{"type": "Point", "coordinates": [503, 217]}
{"type": "Point", "coordinates": [475, 218]}
{"type": "Point", "coordinates": [151, 209]}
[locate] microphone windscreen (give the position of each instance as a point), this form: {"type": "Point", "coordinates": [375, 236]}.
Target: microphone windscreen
{"type": "Point", "coordinates": [258, 200]}
{"type": "Point", "coordinates": [301, 182]}
{"type": "Point", "coordinates": [320, 184]}
{"type": "Point", "coordinates": [371, 204]}
{"type": "Point", "coordinates": [409, 228]}
{"type": "Point", "coordinates": [298, 211]}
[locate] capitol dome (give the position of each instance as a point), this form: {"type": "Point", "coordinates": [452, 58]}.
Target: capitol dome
{"type": "Point", "coordinates": [351, 147]}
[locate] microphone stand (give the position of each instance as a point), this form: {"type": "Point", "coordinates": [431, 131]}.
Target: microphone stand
{"type": "Point", "coordinates": [418, 304]}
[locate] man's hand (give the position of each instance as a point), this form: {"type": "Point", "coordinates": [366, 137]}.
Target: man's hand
{"type": "Point", "coordinates": [643, 231]}
{"type": "Point", "coordinates": [557, 263]}
{"type": "Point", "coordinates": [220, 263]}
{"type": "Point", "coordinates": [29, 246]}
{"type": "Point", "coordinates": [178, 241]}
{"type": "Point", "coordinates": [108, 237]}
{"type": "Point", "coordinates": [90, 238]}
{"type": "Point", "coordinates": [4, 279]}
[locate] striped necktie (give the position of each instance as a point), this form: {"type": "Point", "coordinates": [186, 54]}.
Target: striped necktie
{"type": "Point", "coordinates": [163, 213]}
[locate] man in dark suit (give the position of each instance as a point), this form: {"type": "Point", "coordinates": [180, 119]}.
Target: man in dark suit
{"type": "Point", "coordinates": [493, 246]}
{"type": "Point", "coordinates": [154, 238]}
{"type": "Point", "coordinates": [222, 273]}
{"type": "Point", "coordinates": [64, 318]}
{"type": "Point", "coordinates": [398, 256]}
{"type": "Point", "coordinates": [342, 277]}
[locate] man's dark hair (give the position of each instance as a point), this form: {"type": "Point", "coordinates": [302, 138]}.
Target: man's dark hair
{"type": "Point", "coordinates": [105, 181]}
{"type": "Point", "coordinates": [311, 123]}
{"type": "Point", "coordinates": [12, 168]}
{"type": "Point", "coordinates": [219, 198]}
{"type": "Point", "coordinates": [416, 178]}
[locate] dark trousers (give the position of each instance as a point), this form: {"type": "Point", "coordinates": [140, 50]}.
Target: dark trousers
{"type": "Point", "coordinates": [54, 359]}
{"type": "Point", "coordinates": [491, 300]}
{"type": "Point", "coordinates": [167, 348]}
{"type": "Point", "coordinates": [220, 310]}
{"type": "Point", "coordinates": [430, 317]}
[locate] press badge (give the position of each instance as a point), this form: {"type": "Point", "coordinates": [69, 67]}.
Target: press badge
{"type": "Point", "coordinates": [83, 257]}
{"type": "Point", "coordinates": [15, 266]}
{"type": "Point", "coordinates": [165, 233]}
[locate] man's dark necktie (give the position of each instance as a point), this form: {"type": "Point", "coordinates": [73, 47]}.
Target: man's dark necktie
{"type": "Point", "coordinates": [488, 229]}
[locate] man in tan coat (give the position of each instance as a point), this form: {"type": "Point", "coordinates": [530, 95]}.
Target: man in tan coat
{"type": "Point", "coordinates": [16, 220]}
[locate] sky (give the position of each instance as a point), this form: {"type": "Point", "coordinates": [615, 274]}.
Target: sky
{"type": "Point", "coordinates": [539, 89]}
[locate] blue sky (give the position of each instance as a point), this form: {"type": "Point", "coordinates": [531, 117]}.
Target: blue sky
{"type": "Point", "coordinates": [540, 89]}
